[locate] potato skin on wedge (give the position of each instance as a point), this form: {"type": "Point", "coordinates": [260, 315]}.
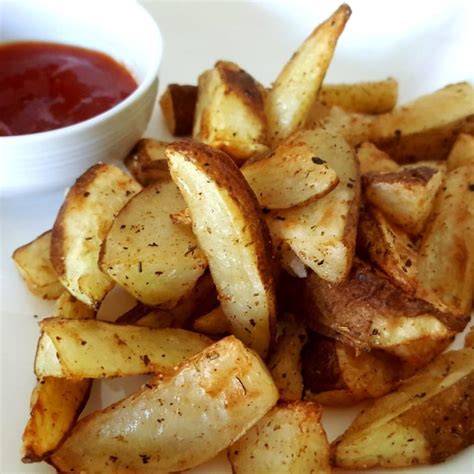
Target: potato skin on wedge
{"type": "Point", "coordinates": [180, 420]}
{"type": "Point", "coordinates": [82, 223]}
{"type": "Point", "coordinates": [428, 419]}
{"type": "Point", "coordinates": [231, 232]}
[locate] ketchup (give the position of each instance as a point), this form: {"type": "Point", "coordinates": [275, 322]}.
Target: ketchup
{"type": "Point", "coordinates": [45, 86]}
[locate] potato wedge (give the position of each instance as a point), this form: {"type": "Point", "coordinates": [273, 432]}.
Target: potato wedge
{"type": "Point", "coordinates": [406, 196]}
{"type": "Point", "coordinates": [446, 256]}
{"type": "Point", "coordinates": [372, 159]}
{"type": "Point", "coordinates": [418, 131]}
{"type": "Point", "coordinates": [95, 349]}
{"type": "Point", "coordinates": [178, 103]}
{"type": "Point", "coordinates": [284, 362]}
{"type": "Point", "coordinates": [469, 339]}
{"type": "Point", "coordinates": [288, 439]}
{"type": "Point", "coordinates": [462, 152]}
{"type": "Point", "coordinates": [323, 233]}
{"type": "Point", "coordinates": [230, 231]}
{"type": "Point", "coordinates": [146, 162]}
{"type": "Point", "coordinates": [289, 101]}
{"type": "Point", "coordinates": [156, 261]}
{"type": "Point", "coordinates": [367, 311]}
{"type": "Point", "coordinates": [428, 419]}
{"type": "Point", "coordinates": [229, 111]}
{"type": "Point", "coordinates": [389, 247]}
{"type": "Point", "coordinates": [214, 323]}
{"type": "Point", "coordinates": [213, 398]}
{"type": "Point", "coordinates": [81, 225]}
{"type": "Point", "coordinates": [374, 97]}
{"type": "Point", "coordinates": [34, 264]}
{"type": "Point", "coordinates": [68, 306]}
{"type": "Point", "coordinates": [293, 174]}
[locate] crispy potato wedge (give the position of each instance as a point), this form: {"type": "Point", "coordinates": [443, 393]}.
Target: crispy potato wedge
{"type": "Point", "coordinates": [296, 88]}
{"type": "Point", "coordinates": [214, 398]}
{"type": "Point", "coordinates": [34, 264]}
{"type": "Point", "coordinates": [178, 103]}
{"type": "Point", "coordinates": [81, 225]}
{"type": "Point", "coordinates": [323, 233]}
{"type": "Point", "coordinates": [418, 131]}
{"type": "Point", "coordinates": [293, 174]}
{"type": "Point", "coordinates": [156, 261]}
{"type": "Point", "coordinates": [288, 439]}
{"type": "Point", "coordinates": [229, 111]}
{"type": "Point", "coordinates": [214, 323]}
{"type": "Point", "coordinates": [406, 196]}
{"type": "Point", "coordinates": [55, 403]}
{"type": "Point", "coordinates": [146, 162]}
{"type": "Point", "coordinates": [372, 159]}
{"type": "Point", "coordinates": [428, 419]}
{"type": "Point", "coordinates": [462, 152]}
{"type": "Point", "coordinates": [230, 231]}
{"type": "Point", "coordinates": [389, 247]}
{"type": "Point", "coordinates": [446, 256]}
{"type": "Point", "coordinates": [469, 339]}
{"type": "Point", "coordinates": [95, 349]}
{"type": "Point", "coordinates": [284, 362]}
{"type": "Point", "coordinates": [374, 97]}
{"type": "Point", "coordinates": [367, 311]}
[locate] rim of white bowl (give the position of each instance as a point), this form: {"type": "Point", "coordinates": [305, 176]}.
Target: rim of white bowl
{"type": "Point", "coordinates": [150, 76]}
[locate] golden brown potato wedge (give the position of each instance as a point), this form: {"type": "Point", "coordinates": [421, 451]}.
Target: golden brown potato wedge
{"type": "Point", "coordinates": [289, 439]}
{"type": "Point", "coordinates": [147, 161]}
{"type": "Point", "coordinates": [68, 306]}
{"type": "Point", "coordinates": [419, 131]}
{"type": "Point", "coordinates": [156, 261]}
{"type": "Point", "coordinates": [214, 323]}
{"type": "Point", "coordinates": [323, 233]}
{"type": "Point", "coordinates": [462, 152]}
{"type": "Point", "coordinates": [34, 264]}
{"type": "Point", "coordinates": [428, 419]}
{"type": "Point", "coordinates": [229, 111]}
{"type": "Point", "coordinates": [294, 173]}
{"type": "Point", "coordinates": [284, 362]}
{"type": "Point", "coordinates": [446, 256]}
{"type": "Point", "coordinates": [82, 224]}
{"type": "Point", "coordinates": [375, 97]}
{"type": "Point", "coordinates": [291, 96]}
{"type": "Point", "coordinates": [230, 231]}
{"type": "Point", "coordinates": [367, 311]}
{"type": "Point", "coordinates": [389, 247]}
{"type": "Point", "coordinates": [95, 349]}
{"type": "Point", "coordinates": [469, 339]}
{"type": "Point", "coordinates": [178, 103]}
{"type": "Point", "coordinates": [372, 159]}
{"type": "Point", "coordinates": [180, 420]}
{"type": "Point", "coordinates": [406, 196]}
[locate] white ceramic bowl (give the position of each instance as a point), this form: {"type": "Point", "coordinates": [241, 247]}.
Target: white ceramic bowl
{"type": "Point", "coordinates": [122, 29]}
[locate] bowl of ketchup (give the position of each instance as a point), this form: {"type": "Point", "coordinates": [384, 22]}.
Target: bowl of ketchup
{"type": "Point", "coordinates": [78, 83]}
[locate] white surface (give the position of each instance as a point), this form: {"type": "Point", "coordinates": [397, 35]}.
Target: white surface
{"type": "Point", "coordinates": [50, 160]}
{"type": "Point", "coordinates": [423, 44]}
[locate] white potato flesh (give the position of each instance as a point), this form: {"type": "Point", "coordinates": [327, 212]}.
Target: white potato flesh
{"type": "Point", "coordinates": [372, 159]}
{"type": "Point", "coordinates": [228, 226]}
{"type": "Point", "coordinates": [288, 440]}
{"type": "Point", "coordinates": [155, 260]}
{"type": "Point", "coordinates": [178, 421]}
{"type": "Point", "coordinates": [82, 224]}
{"type": "Point", "coordinates": [95, 349]}
{"type": "Point", "coordinates": [322, 233]}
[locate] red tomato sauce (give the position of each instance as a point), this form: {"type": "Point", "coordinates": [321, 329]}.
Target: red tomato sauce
{"type": "Point", "coordinates": [45, 86]}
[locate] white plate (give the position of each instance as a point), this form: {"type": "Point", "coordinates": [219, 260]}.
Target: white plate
{"type": "Point", "coordinates": [425, 45]}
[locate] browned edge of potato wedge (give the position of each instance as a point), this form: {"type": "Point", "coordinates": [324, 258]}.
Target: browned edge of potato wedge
{"type": "Point", "coordinates": [426, 420]}
{"type": "Point", "coordinates": [214, 323]}
{"type": "Point", "coordinates": [34, 264]}
{"type": "Point", "coordinates": [228, 225]}
{"type": "Point", "coordinates": [295, 90]}
{"type": "Point", "coordinates": [462, 152]}
{"type": "Point", "coordinates": [178, 104]}
{"type": "Point", "coordinates": [214, 397]}
{"type": "Point", "coordinates": [372, 159]}
{"type": "Point", "coordinates": [82, 223]}
{"type": "Point", "coordinates": [288, 439]}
